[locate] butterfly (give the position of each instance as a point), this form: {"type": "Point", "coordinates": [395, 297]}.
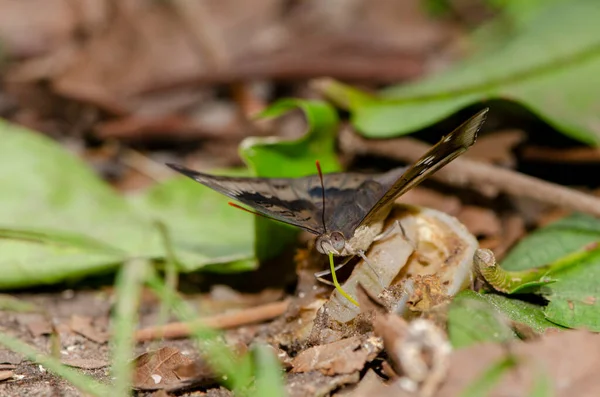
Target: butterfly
{"type": "Point", "coordinates": [346, 211]}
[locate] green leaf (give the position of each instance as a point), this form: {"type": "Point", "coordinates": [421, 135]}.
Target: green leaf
{"type": "Point", "coordinates": [484, 384]}
{"type": "Point", "coordinates": [204, 230]}
{"type": "Point", "coordinates": [553, 242]}
{"type": "Point", "coordinates": [475, 318]}
{"type": "Point", "coordinates": [562, 263]}
{"type": "Point", "coordinates": [47, 190]}
{"type": "Point", "coordinates": [272, 158]}
{"type": "Point", "coordinates": [57, 219]}
{"type": "Point", "coordinates": [518, 311]}
{"type": "Point", "coordinates": [472, 319]}
{"type": "Point", "coordinates": [546, 65]}
{"type": "Point", "coordinates": [575, 294]}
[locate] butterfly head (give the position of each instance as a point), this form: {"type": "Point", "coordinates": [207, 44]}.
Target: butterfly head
{"type": "Point", "coordinates": [331, 242]}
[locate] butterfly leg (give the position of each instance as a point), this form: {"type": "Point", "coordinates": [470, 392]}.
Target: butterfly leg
{"type": "Point", "coordinates": [397, 226]}
{"type": "Point", "coordinates": [362, 255]}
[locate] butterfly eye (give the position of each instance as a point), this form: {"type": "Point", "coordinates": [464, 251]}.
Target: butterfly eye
{"type": "Point", "coordinates": [338, 242]}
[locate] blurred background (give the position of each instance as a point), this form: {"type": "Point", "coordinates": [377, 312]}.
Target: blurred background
{"type": "Point", "coordinates": [182, 78]}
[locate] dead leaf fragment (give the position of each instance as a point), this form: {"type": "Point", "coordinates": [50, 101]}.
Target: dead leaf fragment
{"type": "Point", "coordinates": [39, 326]}
{"type": "Point", "coordinates": [315, 384]}
{"type": "Point", "coordinates": [341, 357]}
{"type": "Point", "coordinates": [84, 326]}
{"type": "Point", "coordinates": [10, 357]}
{"type": "Point", "coordinates": [158, 369]}
{"type": "Point", "coordinates": [567, 359]}
{"type": "Point", "coordinates": [480, 221]}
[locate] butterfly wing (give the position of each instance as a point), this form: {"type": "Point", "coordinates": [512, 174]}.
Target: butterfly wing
{"type": "Point", "coordinates": [350, 196]}
{"type": "Point", "coordinates": [289, 200]}
{"type": "Point", "coordinates": [446, 150]}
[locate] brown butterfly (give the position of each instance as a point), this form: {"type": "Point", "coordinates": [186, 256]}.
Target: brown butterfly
{"type": "Point", "coordinates": [345, 210]}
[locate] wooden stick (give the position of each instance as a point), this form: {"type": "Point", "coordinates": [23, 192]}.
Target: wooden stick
{"type": "Point", "coordinates": [464, 172]}
{"type": "Point", "coordinates": [219, 321]}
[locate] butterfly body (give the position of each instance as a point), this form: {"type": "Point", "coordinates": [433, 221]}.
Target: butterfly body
{"type": "Point", "coordinates": [346, 211]}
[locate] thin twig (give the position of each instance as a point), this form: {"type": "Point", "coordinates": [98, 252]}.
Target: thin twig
{"type": "Point", "coordinates": [468, 173]}
{"type": "Point", "coordinates": [220, 321]}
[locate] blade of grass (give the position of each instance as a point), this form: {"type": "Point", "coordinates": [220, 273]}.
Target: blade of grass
{"type": "Point", "coordinates": [82, 382]}
{"type": "Point", "coordinates": [483, 385]}
{"type": "Point", "coordinates": [171, 273]}
{"type": "Point", "coordinates": [542, 386]}
{"type": "Point", "coordinates": [232, 373]}
{"type": "Point", "coordinates": [267, 371]}
{"type": "Point", "coordinates": [130, 281]}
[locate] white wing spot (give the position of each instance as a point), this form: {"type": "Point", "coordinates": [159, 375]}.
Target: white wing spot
{"type": "Point", "coordinates": [448, 138]}
{"type": "Point", "coordinates": [427, 160]}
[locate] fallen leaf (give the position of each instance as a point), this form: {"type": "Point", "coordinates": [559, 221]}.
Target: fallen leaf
{"type": "Point", "coordinates": [370, 382]}
{"type": "Point", "coordinates": [158, 369]}
{"type": "Point", "coordinates": [480, 221]}
{"type": "Point", "coordinates": [83, 326]}
{"type": "Point", "coordinates": [564, 358]}
{"type": "Point", "coordinates": [10, 357]}
{"type": "Point", "coordinates": [85, 363]}
{"type": "Point", "coordinates": [315, 384]}
{"type": "Point", "coordinates": [39, 326]}
{"type": "Point", "coordinates": [431, 199]}
{"type": "Point", "coordinates": [341, 357]}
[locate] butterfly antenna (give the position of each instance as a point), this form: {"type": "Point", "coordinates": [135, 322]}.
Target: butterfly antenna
{"type": "Point", "coordinates": [318, 164]}
{"type": "Point", "coordinates": [252, 212]}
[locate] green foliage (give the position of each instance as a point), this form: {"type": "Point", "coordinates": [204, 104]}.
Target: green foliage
{"type": "Point", "coordinates": [475, 318]}
{"type": "Point", "coordinates": [561, 263]}
{"type": "Point", "coordinates": [59, 221]}
{"type": "Point", "coordinates": [546, 64]}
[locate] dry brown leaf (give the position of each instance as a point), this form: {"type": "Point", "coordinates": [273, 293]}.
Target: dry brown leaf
{"type": "Point", "coordinates": [39, 326]}
{"type": "Point", "coordinates": [342, 357]}
{"type": "Point", "coordinates": [431, 199]}
{"type": "Point", "coordinates": [84, 326]}
{"type": "Point", "coordinates": [568, 360]}
{"type": "Point", "coordinates": [10, 357]}
{"type": "Point", "coordinates": [315, 384]}
{"type": "Point", "coordinates": [371, 381]}
{"type": "Point", "coordinates": [480, 221]}
{"type": "Point", "coordinates": [158, 369]}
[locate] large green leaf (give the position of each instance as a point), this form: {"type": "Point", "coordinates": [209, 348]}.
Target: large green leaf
{"type": "Point", "coordinates": [45, 188]}
{"type": "Point", "coordinates": [575, 295]}
{"type": "Point", "coordinates": [475, 318]}
{"type": "Point", "coordinates": [547, 65]}
{"type": "Point", "coordinates": [203, 228]}
{"type": "Point", "coordinates": [553, 242]}
{"type": "Point", "coordinates": [562, 263]}
{"type": "Point", "coordinates": [57, 219]}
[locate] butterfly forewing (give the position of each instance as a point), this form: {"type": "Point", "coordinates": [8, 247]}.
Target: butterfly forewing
{"type": "Point", "coordinates": [285, 200]}
{"type": "Point", "coordinates": [450, 147]}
